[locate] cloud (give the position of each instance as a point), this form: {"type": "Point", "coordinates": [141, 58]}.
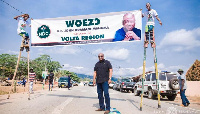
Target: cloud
{"type": "Point", "coordinates": [116, 54]}
{"type": "Point", "coordinates": [130, 72]}
{"type": "Point", "coordinates": [181, 40]}
{"type": "Point", "coordinates": [78, 69]}
{"type": "Point", "coordinates": [60, 50]}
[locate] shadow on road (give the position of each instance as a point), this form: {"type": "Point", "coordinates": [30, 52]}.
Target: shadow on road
{"type": "Point", "coordinates": [5, 103]}
{"type": "Point", "coordinates": [73, 96]}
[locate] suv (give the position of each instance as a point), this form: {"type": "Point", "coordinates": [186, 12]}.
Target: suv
{"type": "Point", "coordinates": [126, 84]}
{"type": "Point", "coordinates": [63, 82]}
{"type": "Point", "coordinates": [168, 84]}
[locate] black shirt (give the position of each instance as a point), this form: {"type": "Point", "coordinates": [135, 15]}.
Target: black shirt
{"type": "Point", "coordinates": [51, 75]}
{"type": "Point", "coordinates": [102, 71]}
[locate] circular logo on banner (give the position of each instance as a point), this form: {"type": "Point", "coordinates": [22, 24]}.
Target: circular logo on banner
{"type": "Point", "coordinates": [43, 31]}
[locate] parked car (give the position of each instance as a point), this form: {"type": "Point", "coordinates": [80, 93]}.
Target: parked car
{"type": "Point", "coordinates": [90, 84]}
{"type": "Point", "coordinates": [168, 84]}
{"type": "Point", "coordinates": [75, 83]}
{"type": "Point", "coordinates": [115, 85]}
{"type": "Point", "coordinates": [111, 84]}
{"type": "Point", "coordinates": [126, 85]}
{"type": "Point", "coordinates": [63, 82]}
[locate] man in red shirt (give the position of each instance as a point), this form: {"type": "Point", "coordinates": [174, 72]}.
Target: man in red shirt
{"type": "Point", "coordinates": [32, 76]}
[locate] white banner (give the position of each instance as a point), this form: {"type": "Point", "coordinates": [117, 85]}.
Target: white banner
{"type": "Point", "coordinates": [84, 29]}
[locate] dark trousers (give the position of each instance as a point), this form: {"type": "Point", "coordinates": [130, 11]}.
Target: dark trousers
{"type": "Point", "coordinates": [183, 97]}
{"type": "Point", "coordinates": [50, 83]}
{"type": "Point", "coordinates": [103, 88]}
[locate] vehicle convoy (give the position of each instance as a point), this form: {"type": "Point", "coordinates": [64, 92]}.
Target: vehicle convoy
{"type": "Point", "coordinates": [63, 82]}
{"type": "Point", "coordinates": [126, 85]}
{"type": "Point", "coordinates": [168, 85]}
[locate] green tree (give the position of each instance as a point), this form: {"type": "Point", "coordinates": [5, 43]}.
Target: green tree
{"type": "Point", "coordinates": [7, 65]}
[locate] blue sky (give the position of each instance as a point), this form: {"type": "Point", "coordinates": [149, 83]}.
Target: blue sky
{"type": "Point", "coordinates": [178, 40]}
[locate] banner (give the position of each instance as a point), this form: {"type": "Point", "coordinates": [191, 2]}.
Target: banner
{"type": "Point", "coordinates": [84, 29]}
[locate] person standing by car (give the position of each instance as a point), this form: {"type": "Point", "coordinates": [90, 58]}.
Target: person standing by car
{"type": "Point", "coordinates": [69, 82]}
{"type": "Point", "coordinates": [51, 77]}
{"type": "Point", "coordinates": [102, 77]}
{"type": "Point", "coordinates": [183, 87]}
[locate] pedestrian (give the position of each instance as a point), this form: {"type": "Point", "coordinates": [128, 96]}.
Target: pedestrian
{"type": "Point", "coordinates": [32, 76]}
{"type": "Point", "coordinates": [24, 81]}
{"type": "Point", "coordinates": [102, 77]}
{"type": "Point", "coordinates": [183, 87]}
{"type": "Point", "coordinates": [51, 77]}
{"type": "Point", "coordinates": [69, 82]}
{"type": "Point", "coordinates": [150, 14]}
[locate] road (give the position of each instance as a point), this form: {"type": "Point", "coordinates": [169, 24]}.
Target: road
{"type": "Point", "coordinates": [83, 100]}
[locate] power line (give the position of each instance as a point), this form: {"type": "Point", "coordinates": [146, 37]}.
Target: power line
{"type": "Point", "coordinates": [12, 6]}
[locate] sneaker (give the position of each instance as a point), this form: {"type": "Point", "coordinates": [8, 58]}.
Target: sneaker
{"type": "Point", "coordinates": [187, 104]}
{"type": "Point", "coordinates": [183, 105]}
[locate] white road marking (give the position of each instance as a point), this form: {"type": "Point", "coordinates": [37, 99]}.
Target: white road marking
{"type": "Point", "coordinates": [60, 107]}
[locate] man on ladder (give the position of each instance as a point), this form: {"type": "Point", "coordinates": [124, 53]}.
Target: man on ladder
{"type": "Point", "coordinates": [22, 23]}
{"type": "Point", "coordinates": [151, 14]}
{"type": "Point", "coordinates": [149, 28]}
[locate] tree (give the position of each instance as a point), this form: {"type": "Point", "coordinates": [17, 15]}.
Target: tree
{"type": "Point", "coordinates": [7, 65]}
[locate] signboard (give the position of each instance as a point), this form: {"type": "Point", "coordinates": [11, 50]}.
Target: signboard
{"type": "Point", "coordinates": [84, 29]}
{"type": "Point", "coordinates": [44, 74]}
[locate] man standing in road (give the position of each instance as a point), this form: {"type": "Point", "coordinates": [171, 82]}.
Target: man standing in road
{"type": "Point", "coordinates": [183, 87]}
{"type": "Point", "coordinates": [102, 77]}
{"type": "Point", "coordinates": [51, 77]}
{"type": "Point", "coordinates": [32, 76]}
{"type": "Point", "coordinates": [69, 82]}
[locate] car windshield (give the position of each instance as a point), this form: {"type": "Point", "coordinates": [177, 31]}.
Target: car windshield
{"type": "Point", "coordinates": [162, 76]}
{"type": "Point", "coordinates": [62, 79]}
{"type": "Point", "coordinates": [126, 80]}
{"type": "Point", "coordinates": [170, 76]}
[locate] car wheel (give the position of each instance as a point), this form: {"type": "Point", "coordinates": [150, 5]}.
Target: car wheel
{"type": "Point", "coordinates": [136, 93]}
{"type": "Point", "coordinates": [171, 98]}
{"type": "Point", "coordinates": [150, 94]}
{"type": "Point", "coordinates": [121, 89]}
{"type": "Point", "coordinates": [173, 84]}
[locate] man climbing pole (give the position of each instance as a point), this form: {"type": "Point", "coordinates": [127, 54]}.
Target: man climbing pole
{"type": "Point", "coordinates": [151, 14]}
{"type": "Point", "coordinates": [22, 23]}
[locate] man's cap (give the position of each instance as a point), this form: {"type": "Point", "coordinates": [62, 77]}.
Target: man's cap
{"type": "Point", "coordinates": [180, 70]}
{"type": "Point", "coordinates": [31, 69]}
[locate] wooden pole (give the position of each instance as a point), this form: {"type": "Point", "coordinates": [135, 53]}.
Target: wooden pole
{"type": "Point", "coordinates": [28, 78]}
{"type": "Point", "coordinates": [19, 56]}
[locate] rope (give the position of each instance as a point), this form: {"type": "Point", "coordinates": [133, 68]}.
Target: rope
{"type": "Point", "coordinates": [12, 6]}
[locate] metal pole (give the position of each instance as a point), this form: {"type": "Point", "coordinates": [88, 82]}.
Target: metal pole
{"type": "Point", "coordinates": [143, 76]}
{"type": "Point", "coordinates": [157, 79]}
{"type": "Point", "coordinates": [15, 73]}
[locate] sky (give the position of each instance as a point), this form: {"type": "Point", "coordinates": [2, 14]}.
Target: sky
{"type": "Point", "coordinates": [177, 40]}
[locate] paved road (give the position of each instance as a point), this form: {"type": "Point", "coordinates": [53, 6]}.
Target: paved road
{"type": "Point", "coordinates": [83, 100]}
